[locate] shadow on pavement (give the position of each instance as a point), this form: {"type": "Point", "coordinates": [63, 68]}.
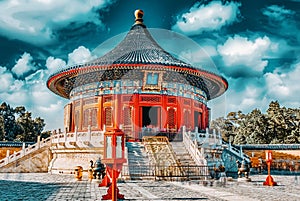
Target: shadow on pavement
{"type": "Point", "coordinates": [22, 190]}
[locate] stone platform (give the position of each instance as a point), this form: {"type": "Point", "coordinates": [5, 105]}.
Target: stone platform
{"type": "Point", "coordinates": [45, 186]}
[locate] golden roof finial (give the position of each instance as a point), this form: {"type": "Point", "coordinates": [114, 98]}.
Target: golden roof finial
{"type": "Point", "coordinates": [139, 16]}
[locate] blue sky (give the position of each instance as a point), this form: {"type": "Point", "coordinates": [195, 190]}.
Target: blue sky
{"type": "Point", "coordinates": [254, 45]}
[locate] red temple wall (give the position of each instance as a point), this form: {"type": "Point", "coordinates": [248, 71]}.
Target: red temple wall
{"type": "Point", "coordinates": [127, 110]}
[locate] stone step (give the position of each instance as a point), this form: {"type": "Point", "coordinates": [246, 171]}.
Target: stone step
{"type": "Point", "coordinates": [182, 154]}
{"type": "Point", "coordinates": [137, 157]}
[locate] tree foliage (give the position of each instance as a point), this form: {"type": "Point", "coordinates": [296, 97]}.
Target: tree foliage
{"type": "Point", "coordinates": [17, 124]}
{"type": "Point", "coordinates": [278, 125]}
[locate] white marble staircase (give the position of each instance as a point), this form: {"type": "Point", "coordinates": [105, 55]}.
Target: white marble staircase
{"type": "Point", "coordinates": [138, 166]}
{"type": "Point", "coordinates": [182, 154]}
{"type": "Point", "coordinates": [34, 158]}
{"type": "Point", "coordinates": [186, 160]}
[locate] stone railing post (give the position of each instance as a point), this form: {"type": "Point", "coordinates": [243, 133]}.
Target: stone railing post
{"type": "Point", "coordinates": [206, 134]}
{"type": "Point", "coordinates": [183, 129]}
{"type": "Point", "coordinates": [23, 149]}
{"type": "Point", "coordinates": [57, 135]}
{"type": "Point", "coordinates": [215, 136]}
{"type": "Point", "coordinates": [76, 134]}
{"type": "Point", "coordinates": [89, 135]}
{"type": "Point", "coordinates": [38, 141]}
{"type": "Point", "coordinates": [198, 138]}
{"type": "Point", "coordinates": [220, 137]}
{"type": "Point", "coordinates": [65, 135]}
{"type": "Point", "coordinates": [7, 157]}
{"type": "Point", "coordinates": [15, 155]}
{"type": "Point", "coordinates": [53, 137]}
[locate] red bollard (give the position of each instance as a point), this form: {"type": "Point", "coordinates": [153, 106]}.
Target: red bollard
{"type": "Point", "coordinates": [269, 180]}
{"type": "Point", "coordinates": [114, 157]}
{"type": "Point", "coordinates": [113, 191]}
{"type": "Point", "coordinates": [105, 182]}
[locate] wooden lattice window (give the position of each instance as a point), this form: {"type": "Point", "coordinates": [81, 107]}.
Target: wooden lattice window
{"type": "Point", "coordinates": [196, 104]}
{"type": "Point", "coordinates": [171, 100]}
{"type": "Point", "coordinates": [127, 98]}
{"type": "Point", "coordinates": [171, 118]}
{"type": "Point", "coordinates": [108, 116]}
{"type": "Point", "coordinates": [94, 117]}
{"type": "Point", "coordinates": [127, 116]}
{"type": "Point", "coordinates": [90, 101]}
{"type": "Point", "coordinates": [187, 102]}
{"type": "Point", "coordinates": [150, 99]}
{"type": "Point", "coordinates": [77, 115]}
{"type": "Point", "coordinates": [86, 115]}
{"type": "Point", "coordinates": [187, 119]}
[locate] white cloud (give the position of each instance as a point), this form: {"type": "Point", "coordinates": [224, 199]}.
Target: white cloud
{"type": "Point", "coordinates": [209, 17]}
{"type": "Point", "coordinates": [79, 56]}
{"type": "Point", "coordinates": [197, 55]}
{"type": "Point", "coordinates": [241, 54]}
{"type": "Point", "coordinates": [17, 85]}
{"type": "Point", "coordinates": [283, 86]}
{"type": "Point", "coordinates": [277, 13]}
{"type": "Point", "coordinates": [246, 94]}
{"type": "Point", "coordinates": [33, 21]}
{"type": "Point", "coordinates": [23, 65]}
{"type": "Point", "coordinates": [243, 94]}
{"type": "Point", "coordinates": [201, 57]}
{"type": "Point", "coordinates": [55, 64]}
{"type": "Point", "coordinates": [31, 91]}
{"type": "Point", "coordinates": [6, 79]}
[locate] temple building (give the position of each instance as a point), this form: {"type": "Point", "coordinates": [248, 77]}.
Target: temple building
{"type": "Point", "coordinates": [136, 86]}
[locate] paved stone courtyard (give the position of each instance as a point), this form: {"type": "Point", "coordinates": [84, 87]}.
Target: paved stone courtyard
{"type": "Point", "coordinates": [43, 186]}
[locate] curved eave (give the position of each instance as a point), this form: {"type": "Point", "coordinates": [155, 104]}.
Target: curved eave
{"type": "Point", "coordinates": [56, 81]}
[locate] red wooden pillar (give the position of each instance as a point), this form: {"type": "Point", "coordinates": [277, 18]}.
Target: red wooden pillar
{"type": "Point", "coordinates": [117, 109]}
{"type": "Point", "coordinates": [100, 112]}
{"type": "Point", "coordinates": [80, 115]}
{"type": "Point", "coordinates": [136, 116]}
{"type": "Point", "coordinates": [203, 116]}
{"type": "Point", "coordinates": [164, 112]}
{"type": "Point", "coordinates": [72, 129]}
{"type": "Point", "coordinates": [178, 113]}
{"type": "Point", "coordinates": [192, 114]}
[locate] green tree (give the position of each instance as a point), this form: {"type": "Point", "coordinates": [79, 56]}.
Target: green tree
{"type": "Point", "coordinates": [278, 125]}
{"type": "Point", "coordinates": [31, 128]}
{"type": "Point", "coordinates": [10, 125]}
{"type": "Point", "coordinates": [1, 128]}
{"type": "Point", "coordinates": [293, 123]}
{"type": "Point", "coordinates": [17, 124]}
{"type": "Point", "coordinates": [256, 126]}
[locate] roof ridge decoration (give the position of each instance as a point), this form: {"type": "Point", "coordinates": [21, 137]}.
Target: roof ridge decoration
{"type": "Point", "coordinates": [139, 16]}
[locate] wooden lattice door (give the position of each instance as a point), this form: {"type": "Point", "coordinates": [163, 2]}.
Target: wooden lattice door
{"type": "Point", "coordinates": [171, 120]}
{"type": "Point", "coordinates": [108, 121]}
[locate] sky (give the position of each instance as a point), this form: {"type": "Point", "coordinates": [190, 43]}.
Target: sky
{"type": "Point", "coordinates": [253, 44]}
